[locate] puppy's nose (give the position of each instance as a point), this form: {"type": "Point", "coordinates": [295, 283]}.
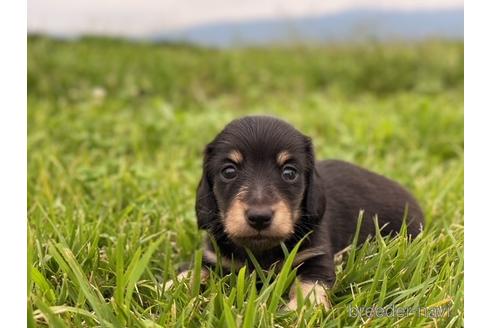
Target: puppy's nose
{"type": "Point", "coordinates": [259, 217]}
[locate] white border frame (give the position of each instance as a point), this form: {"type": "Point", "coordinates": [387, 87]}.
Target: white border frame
{"type": "Point", "coordinates": [13, 171]}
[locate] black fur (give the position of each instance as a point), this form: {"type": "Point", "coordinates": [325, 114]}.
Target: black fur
{"type": "Point", "coordinates": [328, 194]}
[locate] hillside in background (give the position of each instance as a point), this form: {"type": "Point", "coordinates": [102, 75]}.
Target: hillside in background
{"type": "Point", "coordinates": [359, 24]}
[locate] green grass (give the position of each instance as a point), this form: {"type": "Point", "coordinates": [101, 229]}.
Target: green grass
{"type": "Point", "coordinates": [115, 136]}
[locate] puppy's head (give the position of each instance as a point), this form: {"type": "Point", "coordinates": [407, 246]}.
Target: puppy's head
{"type": "Point", "coordinates": [258, 183]}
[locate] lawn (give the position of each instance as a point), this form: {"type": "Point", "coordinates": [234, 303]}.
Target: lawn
{"type": "Point", "coordinates": [116, 132]}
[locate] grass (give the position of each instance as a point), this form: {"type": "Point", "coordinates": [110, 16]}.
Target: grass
{"type": "Point", "coordinates": [115, 136]}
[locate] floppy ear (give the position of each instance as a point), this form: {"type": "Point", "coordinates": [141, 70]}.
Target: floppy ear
{"type": "Point", "coordinates": [205, 204]}
{"type": "Point", "coordinates": [314, 199]}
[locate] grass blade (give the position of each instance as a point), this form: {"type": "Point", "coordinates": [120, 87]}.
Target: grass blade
{"type": "Point", "coordinates": [282, 279]}
{"type": "Point", "coordinates": [137, 268]}
{"type": "Point", "coordinates": [67, 262]}
{"type": "Point", "coordinates": [250, 314]}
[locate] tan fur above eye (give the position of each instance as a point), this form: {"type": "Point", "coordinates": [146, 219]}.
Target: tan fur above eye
{"type": "Point", "coordinates": [235, 156]}
{"type": "Point", "coordinates": [283, 157]}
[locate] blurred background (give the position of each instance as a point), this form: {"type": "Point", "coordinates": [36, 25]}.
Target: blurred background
{"type": "Point", "coordinates": [228, 23]}
{"type": "Point", "coordinates": [369, 80]}
{"type": "Point", "coordinates": [191, 52]}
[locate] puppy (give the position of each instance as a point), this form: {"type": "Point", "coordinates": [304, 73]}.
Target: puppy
{"type": "Point", "coordinates": [261, 186]}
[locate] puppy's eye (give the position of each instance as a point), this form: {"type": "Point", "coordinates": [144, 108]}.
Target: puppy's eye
{"type": "Point", "coordinates": [289, 173]}
{"type": "Point", "coordinates": [229, 172]}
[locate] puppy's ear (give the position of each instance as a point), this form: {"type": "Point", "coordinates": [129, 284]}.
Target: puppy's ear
{"type": "Point", "coordinates": [205, 204]}
{"type": "Point", "coordinates": [314, 200]}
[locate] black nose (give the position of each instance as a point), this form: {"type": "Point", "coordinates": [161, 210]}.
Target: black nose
{"type": "Point", "coordinates": [259, 217]}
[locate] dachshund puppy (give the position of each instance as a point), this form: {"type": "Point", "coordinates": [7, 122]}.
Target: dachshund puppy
{"type": "Point", "coordinates": [261, 186]}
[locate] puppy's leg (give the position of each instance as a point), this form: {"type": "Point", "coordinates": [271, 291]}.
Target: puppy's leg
{"type": "Point", "coordinates": [314, 291]}
{"type": "Point", "coordinates": [187, 274]}
{"type": "Point", "coordinates": [315, 276]}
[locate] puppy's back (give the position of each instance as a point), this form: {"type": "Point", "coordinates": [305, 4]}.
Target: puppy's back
{"type": "Point", "coordinates": [350, 188]}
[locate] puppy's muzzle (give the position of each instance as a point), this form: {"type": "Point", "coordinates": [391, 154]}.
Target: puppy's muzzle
{"type": "Point", "coordinates": [259, 217]}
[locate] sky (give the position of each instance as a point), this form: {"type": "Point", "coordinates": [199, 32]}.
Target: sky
{"type": "Point", "coordinates": [135, 18]}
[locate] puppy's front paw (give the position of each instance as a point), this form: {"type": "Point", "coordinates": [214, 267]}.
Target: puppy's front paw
{"type": "Point", "coordinates": [204, 274]}
{"type": "Point", "coordinates": [312, 291]}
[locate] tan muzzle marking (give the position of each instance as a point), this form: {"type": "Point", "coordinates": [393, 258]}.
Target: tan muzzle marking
{"type": "Point", "coordinates": [236, 225]}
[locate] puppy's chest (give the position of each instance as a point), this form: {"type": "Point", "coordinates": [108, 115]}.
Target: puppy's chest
{"type": "Point", "coordinates": [266, 260]}
{"type": "Point", "coordinates": [273, 259]}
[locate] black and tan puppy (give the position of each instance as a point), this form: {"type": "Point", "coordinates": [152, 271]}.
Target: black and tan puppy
{"type": "Point", "coordinates": [262, 186]}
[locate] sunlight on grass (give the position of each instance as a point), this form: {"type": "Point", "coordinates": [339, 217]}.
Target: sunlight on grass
{"type": "Point", "coordinates": [116, 134]}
